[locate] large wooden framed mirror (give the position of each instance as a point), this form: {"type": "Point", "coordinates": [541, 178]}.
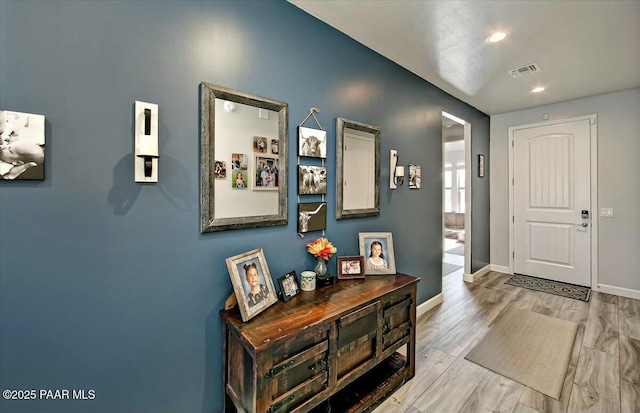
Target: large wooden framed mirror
{"type": "Point", "coordinates": [357, 169]}
{"type": "Point", "coordinates": [243, 160]}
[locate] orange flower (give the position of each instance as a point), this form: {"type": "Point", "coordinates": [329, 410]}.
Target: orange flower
{"type": "Point", "coordinates": [321, 248]}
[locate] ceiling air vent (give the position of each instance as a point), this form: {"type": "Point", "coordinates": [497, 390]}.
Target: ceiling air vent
{"type": "Point", "coordinates": [524, 70]}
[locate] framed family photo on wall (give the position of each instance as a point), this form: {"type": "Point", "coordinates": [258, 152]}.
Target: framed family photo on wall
{"type": "Point", "coordinates": [251, 281]}
{"type": "Point", "coordinates": [266, 174]}
{"type": "Point", "coordinates": [377, 249]}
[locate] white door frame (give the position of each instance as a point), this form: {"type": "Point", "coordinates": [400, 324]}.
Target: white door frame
{"type": "Point", "coordinates": [468, 276]}
{"type": "Point", "coordinates": [593, 121]}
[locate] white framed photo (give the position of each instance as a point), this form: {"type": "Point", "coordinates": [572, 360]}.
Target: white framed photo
{"type": "Point", "coordinates": [312, 143]}
{"type": "Point", "coordinates": [377, 249]}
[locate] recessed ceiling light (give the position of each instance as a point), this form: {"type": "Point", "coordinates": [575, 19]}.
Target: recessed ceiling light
{"type": "Point", "coordinates": [537, 89]}
{"type": "Point", "coordinates": [496, 37]}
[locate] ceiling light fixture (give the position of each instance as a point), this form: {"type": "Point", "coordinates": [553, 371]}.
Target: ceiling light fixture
{"type": "Point", "coordinates": [496, 37]}
{"type": "Point", "coordinates": [537, 89]}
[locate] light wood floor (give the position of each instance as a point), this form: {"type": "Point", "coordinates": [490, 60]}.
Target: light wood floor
{"type": "Point", "coordinates": [603, 375]}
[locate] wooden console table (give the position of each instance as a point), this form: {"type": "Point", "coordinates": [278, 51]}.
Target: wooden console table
{"type": "Point", "coordinates": [332, 349]}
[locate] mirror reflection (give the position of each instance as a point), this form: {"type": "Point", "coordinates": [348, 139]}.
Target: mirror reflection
{"type": "Point", "coordinates": [243, 160]}
{"type": "Point", "coordinates": [357, 169]}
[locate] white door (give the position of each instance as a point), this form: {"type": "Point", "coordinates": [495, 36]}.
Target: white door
{"type": "Point", "coordinates": [552, 188]}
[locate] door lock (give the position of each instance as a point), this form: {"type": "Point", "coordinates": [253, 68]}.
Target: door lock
{"type": "Point", "coordinates": [585, 214]}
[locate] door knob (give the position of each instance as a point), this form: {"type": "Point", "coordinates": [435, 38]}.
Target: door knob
{"type": "Point", "coordinates": [583, 224]}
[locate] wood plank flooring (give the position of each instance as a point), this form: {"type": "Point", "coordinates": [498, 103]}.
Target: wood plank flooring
{"type": "Point", "coordinates": [603, 374]}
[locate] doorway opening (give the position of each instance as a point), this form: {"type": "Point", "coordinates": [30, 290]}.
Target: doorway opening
{"type": "Point", "coordinates": [456, 195]}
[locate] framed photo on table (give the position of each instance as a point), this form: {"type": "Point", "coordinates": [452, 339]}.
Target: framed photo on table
{"type": "Point", "coordinates": [251, 282]}
{"type": "Point", "coordinates": [350, 267]}
{"type": "Point", "coordinates": [289, 286]}
{"type": "Point", "coordinates": [377, 249]}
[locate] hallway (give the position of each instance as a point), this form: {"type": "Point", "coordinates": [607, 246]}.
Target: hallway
{"type": "Point", "coordinates": [453, 257]}
{"type": "Point", "coordinates": [603, 374]}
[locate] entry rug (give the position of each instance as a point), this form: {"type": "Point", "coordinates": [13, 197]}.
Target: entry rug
{"type": "Point", "coordinates": [576, 292]}
{"type": "Point", "coordinates": [530, 348]}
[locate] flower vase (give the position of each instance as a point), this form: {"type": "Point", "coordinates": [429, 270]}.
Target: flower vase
{"type": "Point", "coordinates": [320, 268]}
{"type": "Point", "coordinates": [323, 279]}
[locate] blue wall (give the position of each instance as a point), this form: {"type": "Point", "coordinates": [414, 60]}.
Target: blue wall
{"type": "Point", "coordinates": [107, 284]}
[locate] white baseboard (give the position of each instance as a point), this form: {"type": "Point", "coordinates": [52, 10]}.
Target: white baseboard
{"type": "Point", "coordinates": [623, 292]}
{"type": "Point", "coordinates": [482, 271]}
{"type": "Point", "coordinates": [500, 268]}
{"type": "Point", "coordinates": [429, 304]}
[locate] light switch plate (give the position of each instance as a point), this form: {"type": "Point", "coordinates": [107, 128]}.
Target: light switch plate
{"type": "Point", "coordinates": [606, 212]}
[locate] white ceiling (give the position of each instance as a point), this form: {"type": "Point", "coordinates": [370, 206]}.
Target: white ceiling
{"type": "Point", "coordinates": [583, 48]}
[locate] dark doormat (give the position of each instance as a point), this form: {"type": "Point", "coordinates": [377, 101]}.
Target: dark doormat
{"type": "Point", "coordinates": [577, 292]}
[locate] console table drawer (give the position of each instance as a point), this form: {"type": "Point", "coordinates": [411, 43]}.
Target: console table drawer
{"type": "Point", "coordinates": [294, 400]}
{"type": "Point", "coordinates": [357, 334]}
{"type": "Point", "coordinates": [397, 322]}
{"type": "Point", "coordinates": [297, 369]}
{"type": "Point", "coordinates": [301, 342]}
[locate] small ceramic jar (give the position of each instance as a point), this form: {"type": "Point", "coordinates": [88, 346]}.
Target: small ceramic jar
{"type": "Point", "coordinates": [308, 280]}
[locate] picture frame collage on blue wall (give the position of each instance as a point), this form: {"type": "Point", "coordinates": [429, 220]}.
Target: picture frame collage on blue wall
{"type": "Point", "coordinates": [312, 179]}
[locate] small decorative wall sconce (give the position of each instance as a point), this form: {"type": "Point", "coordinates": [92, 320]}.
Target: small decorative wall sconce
{"type": "Point", "coordinates": [396, 172]}
{"type": "Point", "coordinates": [399, 175]}
{"type": "Point", "coordinates": [146, 142]}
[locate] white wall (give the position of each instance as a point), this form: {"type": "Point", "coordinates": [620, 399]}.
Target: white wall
{"type": "Point", "coordinates": [618, 182]}
{"type": "Point", "coordinates": [234, 133]}
{"type": "Point", "coordinates": [453, 157]}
